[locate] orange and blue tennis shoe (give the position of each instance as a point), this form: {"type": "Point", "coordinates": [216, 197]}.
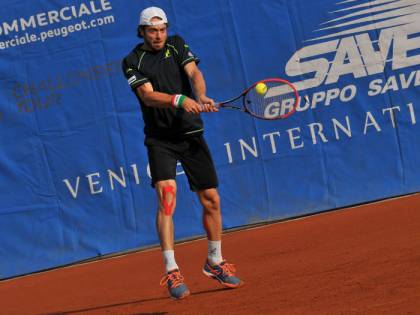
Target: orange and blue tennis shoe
{"type": "Point", "coordinates": [224, 273]}
{"type": "Point", "coordinates": [176, 286]}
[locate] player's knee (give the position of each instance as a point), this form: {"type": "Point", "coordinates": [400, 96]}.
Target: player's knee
{"type": "Point", "coordinates": [167, 199]}
{"type": "Point", "coordinates": [211, 202]}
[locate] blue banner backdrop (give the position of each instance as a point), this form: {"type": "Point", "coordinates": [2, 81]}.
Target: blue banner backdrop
{"type": "Point", "coordinates": [74, 180]}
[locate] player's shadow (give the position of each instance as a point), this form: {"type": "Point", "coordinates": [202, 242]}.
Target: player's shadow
{"type": "Point", "coordinates": [210, 291]}
{"type": "Point", "coordinates": [104, 307]}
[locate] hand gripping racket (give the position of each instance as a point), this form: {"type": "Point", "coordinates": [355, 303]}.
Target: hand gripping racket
{"type": "Point", "coordinates": [268, 99]}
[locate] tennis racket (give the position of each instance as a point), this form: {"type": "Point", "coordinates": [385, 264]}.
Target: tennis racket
{"type": "Point", "coordinates": [268, 99]}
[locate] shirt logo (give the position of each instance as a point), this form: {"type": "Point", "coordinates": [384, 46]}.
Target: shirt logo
{"type": "Point", "coordinates": [167, 53]}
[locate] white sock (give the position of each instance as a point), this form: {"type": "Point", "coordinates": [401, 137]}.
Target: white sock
{"type": "Point", "coordinates": [169, 260]}
{"type": "Point", "coordinates": [214, 252]}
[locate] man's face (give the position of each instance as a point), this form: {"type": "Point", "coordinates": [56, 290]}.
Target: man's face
{"type": "Point", "coordinates": [155, 35]}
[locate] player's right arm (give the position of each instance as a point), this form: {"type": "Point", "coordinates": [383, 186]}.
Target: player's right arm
{"type": "Point", "coordinates": [157, 99]}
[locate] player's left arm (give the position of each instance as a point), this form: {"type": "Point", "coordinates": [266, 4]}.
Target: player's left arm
{"type": "Point", "coordinates": [199, 87]}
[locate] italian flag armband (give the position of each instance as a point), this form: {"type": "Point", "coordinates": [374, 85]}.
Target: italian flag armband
{"type": "Point", "coordinates": [178, 100]}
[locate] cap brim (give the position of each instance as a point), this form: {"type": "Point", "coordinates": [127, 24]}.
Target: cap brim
{"type": "Point", "coordinates": [155, 23]}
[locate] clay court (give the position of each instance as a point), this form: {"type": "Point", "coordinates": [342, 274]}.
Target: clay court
{"type": "Point", "coordinates": [360, 260]}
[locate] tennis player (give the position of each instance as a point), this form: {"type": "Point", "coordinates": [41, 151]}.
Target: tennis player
{"type": "Point", "coordinates": [163, 73]}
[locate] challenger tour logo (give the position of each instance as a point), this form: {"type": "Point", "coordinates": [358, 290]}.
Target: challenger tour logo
{"type": "Point", "coordinates": [348, 45]}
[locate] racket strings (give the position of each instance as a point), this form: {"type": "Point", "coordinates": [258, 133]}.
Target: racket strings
{"type": "Point", "coordinates": [278, 101]}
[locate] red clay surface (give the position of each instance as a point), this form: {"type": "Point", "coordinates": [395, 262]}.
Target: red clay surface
{"type": "Point", "coordinates": [363, 260]}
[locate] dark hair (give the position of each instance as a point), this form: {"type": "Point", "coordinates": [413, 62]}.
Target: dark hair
{"type": "Point", "coordinates": [139, 28]}
{"type": "Point", "coordinates": [142, 27]}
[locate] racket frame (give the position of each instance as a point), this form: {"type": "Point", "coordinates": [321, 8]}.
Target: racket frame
{"type": "Point", "coordinates": [245, 108]}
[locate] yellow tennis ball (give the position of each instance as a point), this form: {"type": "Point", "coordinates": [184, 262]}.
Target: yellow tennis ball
{"type": "Point", "coordinates": [261, 88]}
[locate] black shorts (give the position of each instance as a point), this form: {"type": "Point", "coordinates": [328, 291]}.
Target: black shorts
{"type": "Point", "coordinates": [193, 154]}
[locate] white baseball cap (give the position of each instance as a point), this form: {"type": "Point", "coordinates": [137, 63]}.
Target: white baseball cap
{"type": "Point", "coordinates": [149, 13]}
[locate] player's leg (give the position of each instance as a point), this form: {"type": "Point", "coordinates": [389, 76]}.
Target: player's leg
{"type": "Point", "coordinates": [162, 162]}
{"type": "Point", "coordinates": [166, 195]}
{"type": "Point", "coordinates": [212, 216]}
{"type": "Point", "coordinates": [212, 223]}
{"type": "Point", "coordinates": [201, 173]}
{"type": "Point", "coordinates": [216, 267]}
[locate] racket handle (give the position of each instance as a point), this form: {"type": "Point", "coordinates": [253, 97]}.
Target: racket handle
{"type": "Point", "coordinates": [216, 104]}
